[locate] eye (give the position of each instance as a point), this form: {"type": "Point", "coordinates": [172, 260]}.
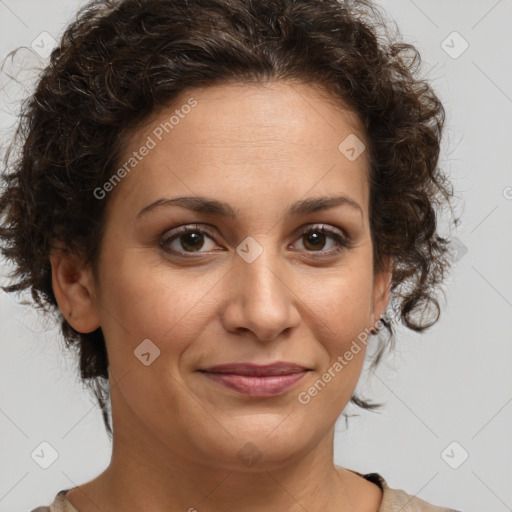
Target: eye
{"type": "Point", "coordinates": [187, 239]}
{"type": "Point", "coordinates": [315, 238]}
{"type": "Point", "coordinates": [191, 239]}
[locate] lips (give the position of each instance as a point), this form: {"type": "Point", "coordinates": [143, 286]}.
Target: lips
{"type": "Point", "coordinates": [257, 370]}
{"type": "Point", "coordinates": [257, 380]}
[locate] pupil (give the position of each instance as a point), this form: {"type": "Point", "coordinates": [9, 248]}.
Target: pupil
{"type": "Point", "coordinates": [194, 237]}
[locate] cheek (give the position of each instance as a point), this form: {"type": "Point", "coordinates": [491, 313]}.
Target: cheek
{"type": "Point", "coordinates": [341, 303]}
{"type": "Point", "coordinates": [340, 312]}
{"type": "Point", "coordinates": [340, 316]}
{"type": "Point", "coordinates": [142, 300]}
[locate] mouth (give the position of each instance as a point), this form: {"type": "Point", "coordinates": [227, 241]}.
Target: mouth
{"type": "Point", "coordinates": [259, 381]}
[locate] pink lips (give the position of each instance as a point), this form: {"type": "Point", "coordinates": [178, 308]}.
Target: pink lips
{"type": "Point", "coordinates": [255, 380]}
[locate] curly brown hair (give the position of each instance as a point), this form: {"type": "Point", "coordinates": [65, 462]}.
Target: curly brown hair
{"type": "Point", "coordinates": [120, 61]}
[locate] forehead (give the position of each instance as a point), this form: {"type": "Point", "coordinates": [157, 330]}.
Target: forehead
{"type": "Point", "coordinates": [231, 139]}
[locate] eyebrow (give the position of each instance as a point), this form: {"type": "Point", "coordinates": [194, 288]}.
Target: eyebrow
{"type": "Point", "coordinates": [212, 206]}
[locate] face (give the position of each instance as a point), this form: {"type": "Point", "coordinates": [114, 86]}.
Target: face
{"type": "Point", "coordinates": [265, 277]}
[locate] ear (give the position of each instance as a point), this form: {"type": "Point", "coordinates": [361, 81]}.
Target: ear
{"type": "Point", "coordinates": [73, 286]}
{"type": "Point", "coordinates": [381, 291]}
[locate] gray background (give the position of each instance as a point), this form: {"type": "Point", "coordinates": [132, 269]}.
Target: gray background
{"type": "Point", "coordinates": [452, 383]}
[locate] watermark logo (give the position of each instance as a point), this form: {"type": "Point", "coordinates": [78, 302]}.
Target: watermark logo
{"type": "Point", "coordinates": [43, 45]}
{"type": "Point", "coordinates": [454, 455]}
{"type": "Point", "coordinates": [458, 249]}
{"type": "Point", "coordinates": [249, 455]}
{"type": "Point", "coordinates": [249, 249]}
{"type": "Point", "coordinates": [146, 352]}
{"type": "Point", "coordinates": [454, 45]}
{"type": "Point", "coordinates": [352, 147]}
{"type": "Point", "coordinates": [44, 455]}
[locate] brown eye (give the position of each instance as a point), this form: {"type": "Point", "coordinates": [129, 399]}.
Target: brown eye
{"type": "Point", "coordinates": [316, 238]}
{"type": "Point", "coordinates": [187, 240]}
{"type": "Point", "coordinates": [313, 240]}
{"type": "Point", "coordinates": [192, 241]}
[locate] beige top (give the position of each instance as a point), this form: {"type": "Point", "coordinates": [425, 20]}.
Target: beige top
{"type": "Point", "coordinates": [393, 500]}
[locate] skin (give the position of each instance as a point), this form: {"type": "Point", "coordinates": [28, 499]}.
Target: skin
{"type": "Point", "coordinates": [260, 148]}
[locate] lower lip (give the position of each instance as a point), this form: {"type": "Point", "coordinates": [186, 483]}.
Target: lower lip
{"type": "Point", "coordinates": [265, 386]}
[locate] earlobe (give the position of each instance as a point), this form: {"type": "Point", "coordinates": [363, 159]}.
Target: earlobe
{"type": "Point", "coordinates": [74, 290]}
{"type": "Point", "coordinates": [381, 293]}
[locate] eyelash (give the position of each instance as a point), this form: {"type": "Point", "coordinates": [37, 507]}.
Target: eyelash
{"type": "Point", "coordinates": [343, 241]}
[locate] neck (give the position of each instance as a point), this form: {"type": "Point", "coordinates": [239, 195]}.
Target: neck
{"type": "Point", "coordinates": [146, 474]}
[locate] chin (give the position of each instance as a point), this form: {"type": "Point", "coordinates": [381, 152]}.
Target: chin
{"type": "Point", "coordinates": [252, 448]}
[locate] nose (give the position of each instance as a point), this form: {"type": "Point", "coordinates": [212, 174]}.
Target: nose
{"type": "Point", "coordinates": [260, 298]}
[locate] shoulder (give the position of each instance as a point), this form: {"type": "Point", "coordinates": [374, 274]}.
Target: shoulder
{"type": "Point", "coordinates": [395, 500]}
{"type": "Point", "coordinates": [60, 504]}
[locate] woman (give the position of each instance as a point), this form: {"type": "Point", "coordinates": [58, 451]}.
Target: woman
{"type": "Point", "coordinates": [221, 198]}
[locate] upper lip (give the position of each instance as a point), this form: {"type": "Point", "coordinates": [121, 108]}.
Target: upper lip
{"type": "Point", "coordinates": [251, 369]}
